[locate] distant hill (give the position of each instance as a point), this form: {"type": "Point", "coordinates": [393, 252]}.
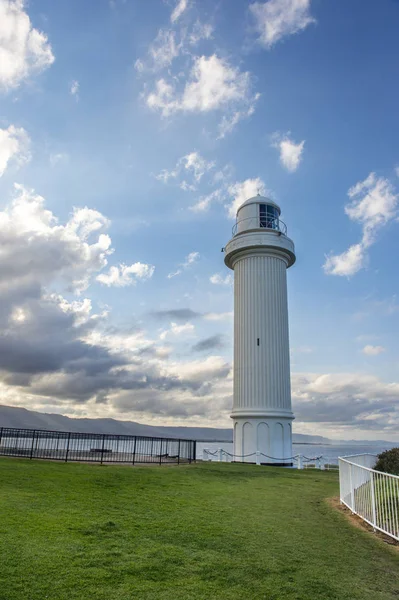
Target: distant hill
{"type": "Point", "coordinates": [11, 416]}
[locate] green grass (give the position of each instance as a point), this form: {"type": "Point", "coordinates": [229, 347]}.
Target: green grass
{"type": "Point", "coordinates": [201, 532]}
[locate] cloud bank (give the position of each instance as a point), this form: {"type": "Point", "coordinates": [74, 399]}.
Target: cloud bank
{"type": "Point", "coordinates": [24, 50]}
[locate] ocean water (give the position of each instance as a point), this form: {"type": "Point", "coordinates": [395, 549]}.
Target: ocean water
{"type": "Point", "coordinates": [118, 448]}
{"type": "Point", "coordinates": [330, 453]}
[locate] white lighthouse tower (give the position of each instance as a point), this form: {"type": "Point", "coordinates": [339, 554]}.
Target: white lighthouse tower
{"type": "Point", "coordinates": [260, 253]}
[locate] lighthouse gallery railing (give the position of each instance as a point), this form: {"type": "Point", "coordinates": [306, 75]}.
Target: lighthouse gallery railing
{"type": "Point", "coordinates": [272, 223]}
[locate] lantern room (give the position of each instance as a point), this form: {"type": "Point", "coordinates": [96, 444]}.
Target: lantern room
{"type": "Point", "coordinates": [259, 212]}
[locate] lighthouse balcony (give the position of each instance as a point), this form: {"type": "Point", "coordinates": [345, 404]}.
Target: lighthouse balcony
{"type": "Point", "coordinates": [263, 222]}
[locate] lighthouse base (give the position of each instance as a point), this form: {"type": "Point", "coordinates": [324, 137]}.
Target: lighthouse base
{"type": "Point", "coordinates": [270, 436]}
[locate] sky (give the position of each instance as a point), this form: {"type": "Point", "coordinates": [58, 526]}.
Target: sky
{"type": "Point", "coordinates": [130, 132]}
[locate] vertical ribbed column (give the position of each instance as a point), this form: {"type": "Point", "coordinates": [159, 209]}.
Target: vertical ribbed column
{"type": "Point", "coordinates": [261, 343]}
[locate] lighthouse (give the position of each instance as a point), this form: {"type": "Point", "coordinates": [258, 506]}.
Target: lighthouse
{"type": "Point", "coordinates": [259, 253]}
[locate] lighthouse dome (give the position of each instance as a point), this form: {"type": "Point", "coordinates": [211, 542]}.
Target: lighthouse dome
{"type": "Point", "coordinates": [259, 200]}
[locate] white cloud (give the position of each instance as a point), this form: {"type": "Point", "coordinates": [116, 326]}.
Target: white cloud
{"type": "Point", "coordinates": [199, 392]}
{"type": "Point", "coordinates": [348, 263]}
{"type": "Point", "coordinates": [54, 250]}
{"type": "Point", "coordinates": [80, 309]}
{"type": "Point", "coordinates": [60, 157]}
{"type": "Point", "coordinates": [164, 49]}
{"type": "Point", "coordinates": [189, 260]}
{"type": "Point", "coordinates": [163, 99]}
{"type": "Point", "coordinates": [199, 370]}
{"type": "Point", "coordinates": [277, 19]}
{"type": "Point", "coordinates": [139, 65]}
{"type": "Point", "coordinates": [179, 9]}
{"type": "Point", "coordinates": [124, 275]}
{"type": "Point", "coordinates": [128, 342]}
{"type": "Point", "coordinates": [203, 204]}
{"type": "Point", "coordinates": [373, 350]}
{"type": "Point", "coordinates": [222, 178]}
{"type": "Point", "coordinates": [213, 85]}
{"type": "Point", "coordinates": [74, 89]}
{"type": "Point", "coordinates": [346, 401]}
{"type": "Point", "coordinates": [228, 122]}
{"type": "Point", "coordinates": [70, 252]}
{"type": "Point", "coordinates": [374, 202]}
{"type": "Point", "coordinates": [218, 316]}
{"type": "Point", "coordinates": [192, 164]}
{"type": "Point", "coordinates": [242, 191]}
{"type": "Point", "coordinates": [205, 201]}
{"type": "Point", "coordinates": [24, 50]}
{"type": "Point", "coordinates": [197, 164]}
{"type": "Point", "coordinates": [19, 315]}
{"type": "Point", "coordinates": [187, 187]}
{"type": "Point", "coordinates": [169, 44]}
{"type": "Point", "coordinates": [56, 352]}
{"type": "Point", "coordinates": [174, 273]}
{"type": "Point", "coordinates": [217, 279]}
{"type": "Point", "coordinates": [290, 152]}
{"type": "Point", "coordinates": [177, 330]}
{"type": "Point", "coordinates": [14, 146]}
{"type": "Point", "coordinates": [202, 83]}
{"type": "Point", "coordinates": [200, 31]}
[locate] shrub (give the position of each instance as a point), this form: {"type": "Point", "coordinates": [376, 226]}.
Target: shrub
{"type": "Point", "coordinates": [388, 461]}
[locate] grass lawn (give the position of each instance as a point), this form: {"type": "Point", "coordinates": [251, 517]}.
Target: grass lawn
{"type": "Point", "coordinates": [201, 532]}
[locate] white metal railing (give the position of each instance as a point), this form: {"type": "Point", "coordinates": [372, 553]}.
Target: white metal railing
{"type": "Point", "coordinates": [370, 494]}
{"type": "Point", "coordinates": [266, 222]}
{"type": "Point", "coordinates": [299, 461]}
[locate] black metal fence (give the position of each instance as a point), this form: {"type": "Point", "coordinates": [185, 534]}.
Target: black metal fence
{"type": "Point", "coordinates": [94, 447]}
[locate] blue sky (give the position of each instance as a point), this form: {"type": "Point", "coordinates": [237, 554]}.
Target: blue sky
{"type": "Point", "coordinates": [133, 130]}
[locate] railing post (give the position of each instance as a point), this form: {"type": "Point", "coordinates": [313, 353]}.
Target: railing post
{"type": "Point", "coordinates": [33, 443]}
{"type": "Point", "coordinates": [322, 464]}
{"type": "Point", "coordinates": [160, 453]}
{"type": "Point", "coordinates": [220, 451]}
{"type": "Point", "coordinates": [195, 451]}
{"type": "Point", "coordinates": [373, 499]}
{"type": "Point", "coordinates": [299, 458]}
{"type": "Point", "coordinates": [258, 457]}
{"type": "Point", "coordinates": [134, 450]}
{"type": "Point", "coordinates": [351, 487]}
{"type": "Point", "coordinates": [1, 435]}
{"type": "Point", "coordinates": [178, 454]}
{"type": "Point", "coordinates": [102, 448]}
{"type": "Point", "coordinates": [16, 442]}
{"type": "Point", "coordinates": [67, 450]}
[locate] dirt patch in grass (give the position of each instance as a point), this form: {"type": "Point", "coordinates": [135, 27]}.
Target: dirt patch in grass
{"type": "Point", "coordinates": [360, 524]}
